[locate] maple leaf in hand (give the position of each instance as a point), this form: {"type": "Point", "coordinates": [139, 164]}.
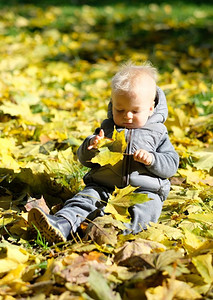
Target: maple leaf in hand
{"type": "Point", "coordinates": [111, 150]}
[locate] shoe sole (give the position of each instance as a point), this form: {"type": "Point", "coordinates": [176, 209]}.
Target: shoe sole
{"type": "Point", "coordinates": [51, 234]}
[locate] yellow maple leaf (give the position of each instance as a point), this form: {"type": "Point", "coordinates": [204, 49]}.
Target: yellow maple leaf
{"type": "Point", "coordinates": [119, 144]}
{"type": "Point", "coordinates": [11, 256]}
{"type": "Point", "coordinates": [203, 264]}
{"type": "Point", "coordinates": [105, 156]}
{"type": "Point", "coordinates": [126, 197]}
{"type": "Point", "coordinates": [121, 200]}
{"type": "Point", "coordinates": [154, 234]}
{"type": "Point", "coordinates": [111, 150]}
{"type": "Point", "coordinates": [118, 212]}
{"type": "Point", "coordinates": [194, 243]}
{"type": "Point", "coordinates": [202, 217]}
{"type": "Point", "coordinates": [21, 110]}
{"type": "Point", "coordinates": [14, 274]}
{"type": "Point", "coordinates": [105, 142]}
{"type": "Point", "coordinates": [194, 177]}
{"type": "Point", "coordinates": [7, 150]}
{"type": "Point", "coordinates": [205, 160]}
{"type": "Point", "coordinates": [175, 289]}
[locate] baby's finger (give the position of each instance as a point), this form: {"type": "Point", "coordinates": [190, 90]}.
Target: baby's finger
{"type": "Point", "coordinates": [95, 140]}
{"type": "Point", "coordinates": [137, 155]}
{"type": "Point", "coordinates": [148, 159]}
{"type": "Point", "coordinates": [93, 143]}
{"type": "Point", "coordinates": [90, 147]}
{"type": "Point", "coordinates": [101, 133]}
{"type": "Point", "coordinates": [145, 156]}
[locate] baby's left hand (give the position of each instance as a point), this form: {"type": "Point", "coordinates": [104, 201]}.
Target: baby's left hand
{"type": "Point", "coordinates": [143, 156]}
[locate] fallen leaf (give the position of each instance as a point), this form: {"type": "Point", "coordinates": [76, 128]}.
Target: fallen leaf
{"type": "Point", "coordinates": [205, 161]}
{"type": "Point", "coordinates": [168, 231]}
{"type": "Point", "coordinates": [201, 217]}
{"type": "Point", "coordinates": [121, 199]}
{"type": "Point", "coordinates": [203, 263]}
{"type": "Point", "coordinates": [23, 110]}
{"type": "Point", "coordinates": [137, 247]}
{"type": "Point", "coordinates": [126, 197]}
{"type": "Point", "coordinates": [75, 268]}
{"type": "Point", "coordinates": [196, 177]}
{"type": "Point", "coordinates": [100, 287]}
{"type": "Point", "coordinates": [48, 272]}
{"type": "Point", "coordinates": [11, 256]}
{"type": "Point", "coordinates": [194, 243]}
{"type": "Point", "coordinates": [104, 230]}
{"type": "Point", "coordinates": [33, 202]}
{"type": "Point", "coordinates": [101, 235]}
{"type": "Point", "coordinates": [166, 258]}
{"type": "Point", "coordinates": [175, 290]}
{"type": "Point", "coordinates": [14, 274]}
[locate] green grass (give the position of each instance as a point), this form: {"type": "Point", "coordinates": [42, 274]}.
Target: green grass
{"type": "Point", "coordinates": [40, 240]}
{"type": "Point", "coordinates": [97, 3]}
{"type": "Point", "coordinates": [204, 103]}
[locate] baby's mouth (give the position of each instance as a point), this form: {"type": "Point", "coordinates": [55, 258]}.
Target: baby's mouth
{"type": "Point", "coordinates": [128, 124]}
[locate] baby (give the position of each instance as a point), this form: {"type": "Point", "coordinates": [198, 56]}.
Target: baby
{"type": "Point", "coordinates": [139, 107]}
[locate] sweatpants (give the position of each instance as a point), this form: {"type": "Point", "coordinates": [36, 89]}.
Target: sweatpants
{"type": "Point", "coordinates": [91, 201]}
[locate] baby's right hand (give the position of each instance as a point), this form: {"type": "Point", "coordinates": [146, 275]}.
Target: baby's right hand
{"type": "Point", "coordinates": [94, 141]}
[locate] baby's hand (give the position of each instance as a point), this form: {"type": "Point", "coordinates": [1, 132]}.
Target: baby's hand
{"type": "Point", "coordinates": [143, 156]}
{"type": "Point", "coordinates": [94, 141]}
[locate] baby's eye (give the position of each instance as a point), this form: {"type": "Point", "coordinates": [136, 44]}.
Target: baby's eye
{"type": "Point", "coordinates": [119, 110]}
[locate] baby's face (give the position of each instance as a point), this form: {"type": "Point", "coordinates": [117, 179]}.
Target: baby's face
{"type": "Point", "coordinates": [132, 110]}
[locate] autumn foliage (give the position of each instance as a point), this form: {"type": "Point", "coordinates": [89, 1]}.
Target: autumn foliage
{"type": "Point", "coordinates": [56, 63]}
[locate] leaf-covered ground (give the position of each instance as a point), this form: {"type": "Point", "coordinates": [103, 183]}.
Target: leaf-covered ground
{"type": "Point", "coordinates": [56, 63]}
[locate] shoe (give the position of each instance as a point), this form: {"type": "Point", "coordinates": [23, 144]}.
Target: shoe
{"type": "Point", "coordinates": [47, 225]}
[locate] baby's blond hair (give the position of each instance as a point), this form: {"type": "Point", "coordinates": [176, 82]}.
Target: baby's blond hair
{"type": "Point", "coordinates": [123, 80]}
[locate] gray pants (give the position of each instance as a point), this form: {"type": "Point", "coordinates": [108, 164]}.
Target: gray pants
{"type": "Point", "coordinates": [91, 201]}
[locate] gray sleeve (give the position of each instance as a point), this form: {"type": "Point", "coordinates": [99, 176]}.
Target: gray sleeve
{"type": "Point", "coordinates": [85, 155]}
{"type": "Point", "coordinates": [165, 160]}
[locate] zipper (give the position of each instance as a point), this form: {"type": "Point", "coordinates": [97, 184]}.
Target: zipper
{"type": "Point", "coordinates": [127, 162]}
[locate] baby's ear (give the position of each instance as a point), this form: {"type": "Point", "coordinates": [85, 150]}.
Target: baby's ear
{"type": "Point", "coordinates": [151, 110]}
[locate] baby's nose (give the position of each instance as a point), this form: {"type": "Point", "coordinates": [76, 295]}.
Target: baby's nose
{"type": "Point", "coordinates": [129, 115]}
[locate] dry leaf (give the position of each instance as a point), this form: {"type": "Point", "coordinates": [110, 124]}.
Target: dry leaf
{"type": "Point", "coordinates": [137, 247]}
{"type": "Point", "coordinates": [33, 202]}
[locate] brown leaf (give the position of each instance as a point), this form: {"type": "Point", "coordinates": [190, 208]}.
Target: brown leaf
{"type": "Point", "coordinates": [104, 230]}
{"type": "Point", "coordinates": [143, 261]}
{"type": "Point", "coordinates": [33, 202]}
{"type": "Point", "coordinates": [101, 235]}
{"type": "Point", "coordinates": [76, 268]}
{"type": "Point", "coordinates": [137, 248]}
{"type": "Point", "coordinates": [177, 180]}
